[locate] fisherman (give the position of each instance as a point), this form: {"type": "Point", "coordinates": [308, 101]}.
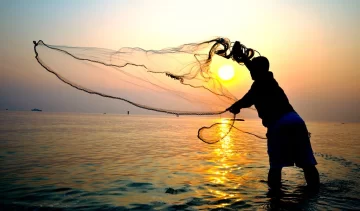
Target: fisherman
{"type": "Point", "coordinates": [288, 139]}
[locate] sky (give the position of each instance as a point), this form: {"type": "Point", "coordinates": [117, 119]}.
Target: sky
{"type": "Point", "coordinates": [313, 47]}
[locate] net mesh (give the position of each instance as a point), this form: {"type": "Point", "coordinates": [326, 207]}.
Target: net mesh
{"type": "Point", "coordinates": [178, 81]}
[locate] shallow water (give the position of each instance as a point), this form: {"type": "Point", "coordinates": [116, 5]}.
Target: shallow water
{"type": "Point", "coordinates": [116, 162]}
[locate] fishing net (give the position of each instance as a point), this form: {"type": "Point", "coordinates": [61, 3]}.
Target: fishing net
{"type": "Point", "coordinates": [178, 81]}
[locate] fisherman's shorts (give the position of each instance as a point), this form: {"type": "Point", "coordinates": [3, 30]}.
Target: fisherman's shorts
{"type": "Point", "coordinates": [289, 143]}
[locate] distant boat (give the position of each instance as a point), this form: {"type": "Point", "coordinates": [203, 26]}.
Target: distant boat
{"type": "Point", "coordinates": [36, 109]}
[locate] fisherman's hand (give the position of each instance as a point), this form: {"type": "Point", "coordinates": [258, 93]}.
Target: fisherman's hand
{"type": "Point", "coordinates": [234, 109]}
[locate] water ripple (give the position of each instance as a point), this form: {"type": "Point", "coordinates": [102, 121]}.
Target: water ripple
{"type": "Point", "coordinates": [114, 162]}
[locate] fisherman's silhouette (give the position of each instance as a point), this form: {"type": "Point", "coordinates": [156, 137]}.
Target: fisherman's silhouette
{"type": "Point", "coordinates": [287, 136]}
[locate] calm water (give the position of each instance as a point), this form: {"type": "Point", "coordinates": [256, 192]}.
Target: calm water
{"type": "Point", "coordinates": [115, 162]}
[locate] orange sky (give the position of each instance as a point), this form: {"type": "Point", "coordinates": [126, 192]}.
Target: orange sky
{"type": "Point", "coordinates": [313, 48]}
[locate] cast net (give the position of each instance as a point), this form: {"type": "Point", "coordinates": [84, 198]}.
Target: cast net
{"type": "Point", "coordinates": [177, 81]}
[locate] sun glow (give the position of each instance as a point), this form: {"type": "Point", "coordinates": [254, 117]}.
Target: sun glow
{"type": "Point", "coordinates": [226, 72]}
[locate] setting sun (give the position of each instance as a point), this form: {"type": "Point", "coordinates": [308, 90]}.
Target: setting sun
{"type": "Point", "coordinates": [226, 72]}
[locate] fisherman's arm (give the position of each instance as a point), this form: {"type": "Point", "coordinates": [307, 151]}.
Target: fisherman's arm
{"type": "Point", "coordinates": [244, 102]}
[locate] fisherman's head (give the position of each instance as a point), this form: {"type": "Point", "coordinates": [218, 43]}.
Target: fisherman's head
{"type": "Point", "coordinates": [258, 67]}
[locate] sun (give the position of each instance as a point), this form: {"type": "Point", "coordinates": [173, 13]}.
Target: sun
{"type": "Point", "coordinates": [226, 72]}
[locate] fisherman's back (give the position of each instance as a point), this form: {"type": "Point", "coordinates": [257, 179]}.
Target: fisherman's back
{"type": "Point", "coordinates": [270, 100]}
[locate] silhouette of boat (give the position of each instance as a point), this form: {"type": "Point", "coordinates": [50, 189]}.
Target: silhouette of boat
{"type": "Point", "coordinates": [36, 109]}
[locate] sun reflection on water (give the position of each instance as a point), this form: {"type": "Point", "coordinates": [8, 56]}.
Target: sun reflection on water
{"type": "Point", "coordinates": [221, 175]}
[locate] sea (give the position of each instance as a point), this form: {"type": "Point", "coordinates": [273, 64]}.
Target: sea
{"type": "Point", "coordinates": [74, 161]}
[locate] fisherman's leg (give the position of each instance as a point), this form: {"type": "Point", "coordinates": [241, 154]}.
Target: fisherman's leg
{"type": "Point", "coordinates": [311, 176]}
{"type": "Point", "coordinates": [274, 178]}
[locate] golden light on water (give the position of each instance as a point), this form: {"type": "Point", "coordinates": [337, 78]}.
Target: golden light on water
{"type": "Point", "coordinates": [226, 142]}
{"type": "Point", "coordinates": [229, 158]}
{"type": "Point", "coordinates": [226, 72]}
{"type": "Point", "coordinates": [222, 154]}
